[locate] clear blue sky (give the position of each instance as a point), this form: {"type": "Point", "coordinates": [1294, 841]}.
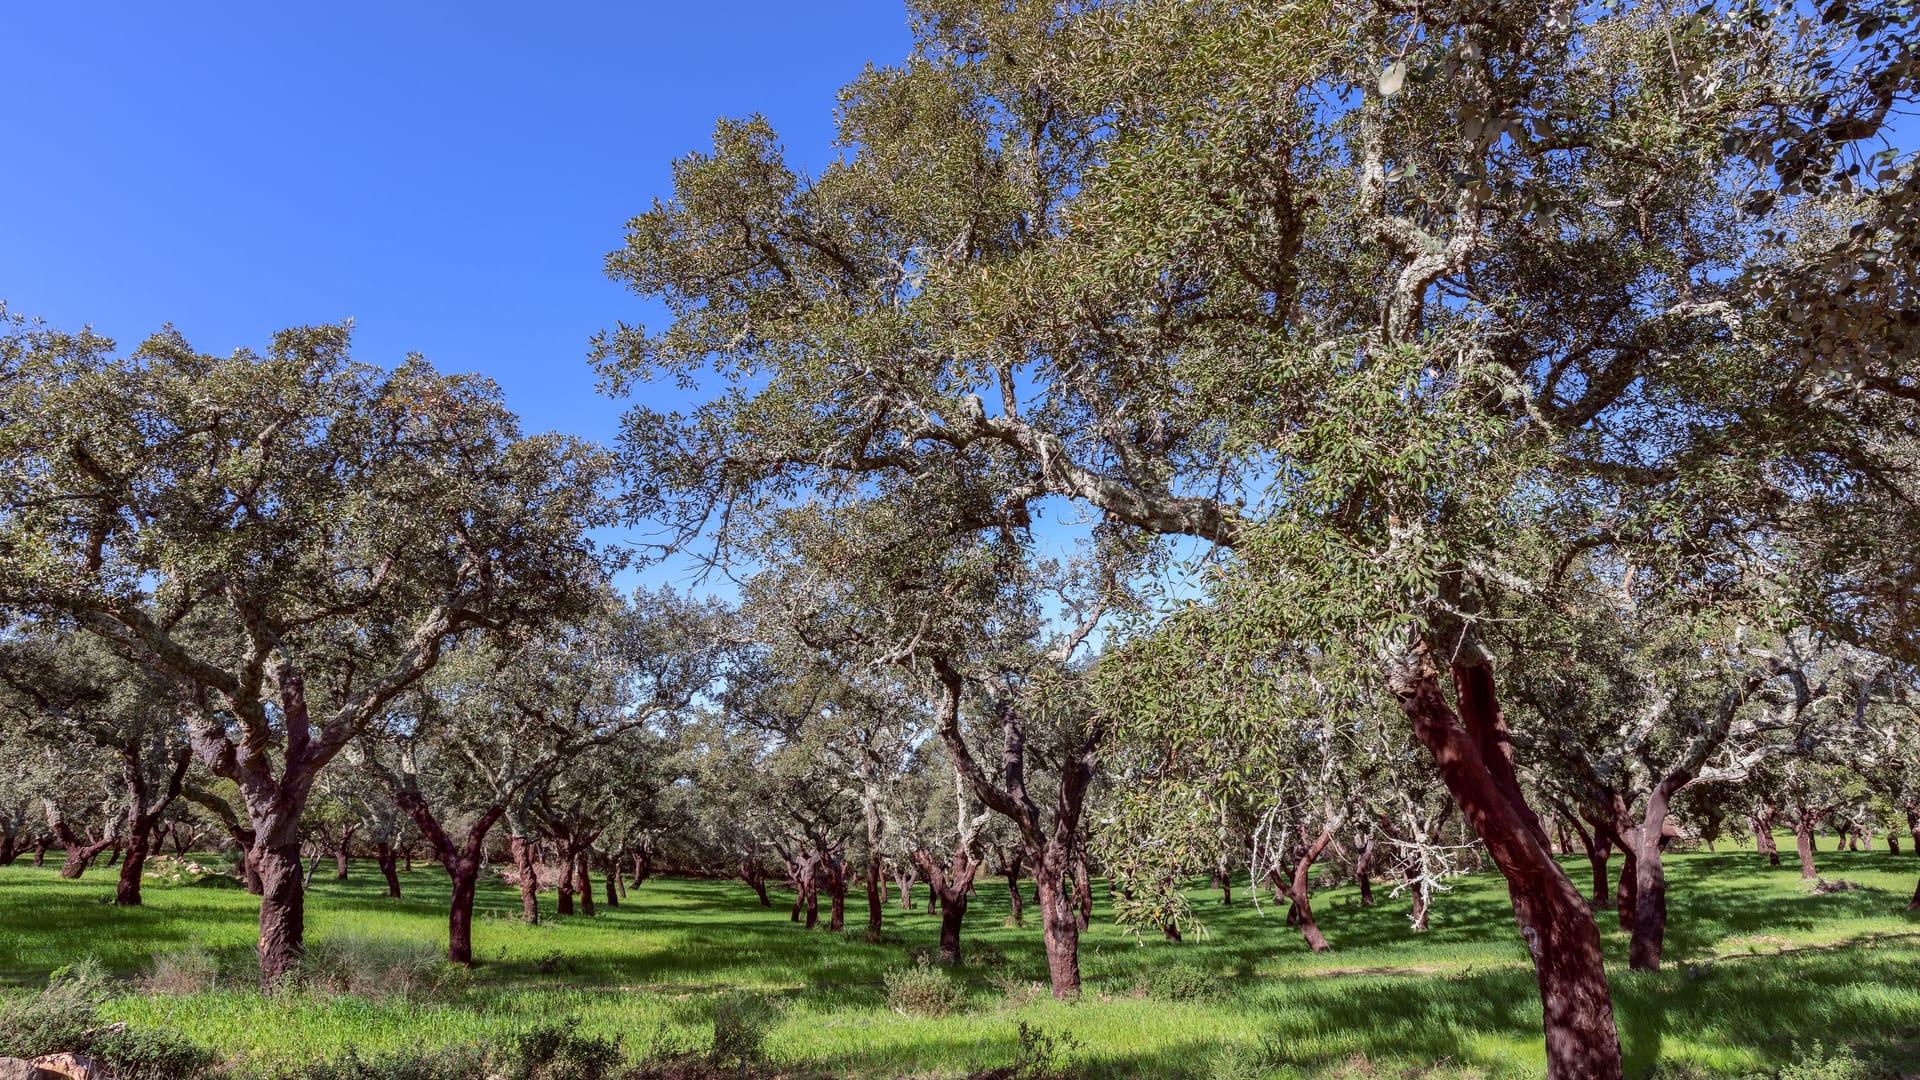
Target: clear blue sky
{"type": "Point", "coordinates": [447, 175]}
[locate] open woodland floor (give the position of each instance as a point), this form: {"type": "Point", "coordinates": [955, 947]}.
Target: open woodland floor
{"type": "Point", "coordinates": [1758, 969]}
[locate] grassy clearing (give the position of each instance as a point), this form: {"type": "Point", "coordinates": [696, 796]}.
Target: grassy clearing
{"type": "Point", "coordinates": [1756, 965]}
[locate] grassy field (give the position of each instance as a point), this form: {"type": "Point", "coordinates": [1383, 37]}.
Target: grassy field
{"type": "Point", "coordinates": [1756, 965]}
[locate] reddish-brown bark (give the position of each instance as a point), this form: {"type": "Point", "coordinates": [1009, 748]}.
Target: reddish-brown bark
{"type": "Point", "coordinates": [389, 866]}
{"type": "Point", "coordinates": [752, 873]}
{"type": "Point", "coordinates": [1300, 906]}
{"type": "Point", "coordinates": [282, 911]}
{"type": "Point", "coordinates": [520, 849]}
{"type": "Point", "coordinates": [462, 862]}
{"type": "Point", "coordinates": [1473, 752]}
{"type": "Point", "coordinates": [949, 887]}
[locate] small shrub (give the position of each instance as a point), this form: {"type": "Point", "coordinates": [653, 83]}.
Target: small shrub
{"type": "Point", "coordinates": [922, 990]}
{"type": "Point", "coordinates": [984, 956]}
{"type": "Point", "coordinates": [1818, 1063]}
{"type": "Point", "coordinates": [740, 1025]}
{"type": "Point", "coordinates": [404, 1065]}
{"type": "Point", "coordinates": [1043, 1055]}
{"type": "Point", "coordinates": [1265, 1060]}
{"type": "Point", "coordinates": [148, 1053]}
{"type": "Point", "coordinates": [63, 1019]}
{"type": "Point", "coordinates": [373, 967]}
{"type": "Point", "coordinates": [1184, 981]}
{"type": "Point", "coordinates": [56, 1019]}
{"type": "Point", "coordinates": [559, 1052]}
{"type": "Point", "coordinates": [189, 970]}
{"type": "Point", "coordinates": [1018, 993]}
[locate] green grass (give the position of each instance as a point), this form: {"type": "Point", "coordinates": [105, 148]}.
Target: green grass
{"type": "Point", "coordinates": [1755, 964]}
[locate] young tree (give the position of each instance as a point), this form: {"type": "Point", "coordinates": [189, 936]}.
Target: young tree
{"type": "Point", "coordinates": [296, 535]}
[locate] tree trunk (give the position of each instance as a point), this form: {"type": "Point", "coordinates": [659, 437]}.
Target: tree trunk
{"type": "Point", "coordinates": [584, 882]}
{"type": "Point", "coordinates": [127, 894]}
{"type": "Point", "coordinates": [1599, 851]}
{"type": "Point", "coordinates": [948, 886]}
{"type": "Point", "coordinates": [383, 853]}
{"type": "Point", "coordinates": [565, 904]}
{"type": "Point", "coordinates": [1060, 928]}
{"type": "Point", "coordinates": [462, 862]}
{"type": "Point", "coordinates": [1473, 753]}
{"type": "Point", "coordinates": [282, 912]}
{"type": "Point", "coordinates": [1650, 884]}
{"type": "Point", "coordinates": [40, 852]}
{"type": "Point", "coordinates": [904, 882]}
{"type": "Point", "coordinates": [1626, 891]}
{"type": "Point", "coordinates": [875, 901]}
{"type": "Point", "coordinates": [1300, 912]}
{"type": "Point", "coordinates": [522, 853]}
{"type": "Point", "coordinates": [465, 874]}
{"type": "Point", "coordinates": [1763, 836]}
{"type": "Point", "coordinates": [1082, 901]}
{"type": "Point", "coordinates": [751, 873]}
{"type": "Point", "coordinates": [613, 885]}
{"type": "Point", "coordinates": [1803, 841]}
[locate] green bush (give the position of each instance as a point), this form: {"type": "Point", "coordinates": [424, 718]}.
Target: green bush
{"type": "Point", "coordinates": [740, 1025]}
{"type": "Point", "coordinates": [406, 1065]}
{"type": "Point", "coordinates": [374, 967]}
{"type": "Point", "coordinates": [1185, 981]}
{"type": "Point", "coordinates": [1818, 1063]}
{"type": "Point", "coordinates": [55, 1019]}
{"type": "Point", "coordinates": [63, 1018]}
{"type": "Point", "coordinates": [148, 1054]}
{"type": "Point", "coordinates": [187, 970]}
{"type": "Point", "coordinates": [922, 990]}
{"type": "Point", "coordinates": [559, 1052]}
{"type": "Point", "coordinates": [1043, 1055]}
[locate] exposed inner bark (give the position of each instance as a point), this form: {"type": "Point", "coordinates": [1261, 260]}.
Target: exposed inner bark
{"type": "Point", "coordinates": [949, 886]}
{"type": "Point", "coordinates": [1472, 750]}
{"type": "Point", "coordinates": [1300, 907]}
{"type": "Point", "coordinates": [282, 912]}
{"type": "Point", "coordinates": [462, 862]}
{"type": "Point", "coordinates": [144, 812]}
{"type": "Point", "coordinates": [389, 866]}
{"type": "Point", "coordinates": [520, 849]}
{"type": "Point", "coordinates": [752, 873]}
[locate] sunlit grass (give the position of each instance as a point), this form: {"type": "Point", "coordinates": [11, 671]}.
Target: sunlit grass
{"type": "Point", "coordinates": [1755, 964]}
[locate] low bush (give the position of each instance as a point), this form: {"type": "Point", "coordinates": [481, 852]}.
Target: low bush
{"type": "Point", "coordinates": [63, 1018]}
{"type": "Point", "coordinates": [740, 1025]}
{"type": "Point", "coordinates": [56, 1019]}
{"type": "Point", "coordinates": [406, 1065]}
{"type": "Point", "coordinates": [374, 967]}
{"type": "Point", "coordinates": [1816, 1062]}
{"type": "Point", "coordinates": [922, 990]}
{"type": "Point", "coordinates": [558, 1051]}
{"type": "Point", "coordinates": [1185, 981]}
{"type": "Point", "coordinates": [188, 970]}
